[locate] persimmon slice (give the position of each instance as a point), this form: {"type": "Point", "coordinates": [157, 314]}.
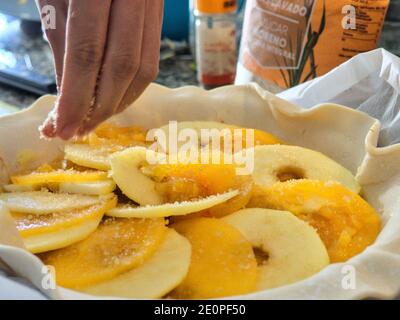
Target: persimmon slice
{"type": "Point", "coordinates": [117, 246]}
{"type": "Point", "coordinates": [223, 262]}
{"type": "Point", "coordinates": [346, 223]}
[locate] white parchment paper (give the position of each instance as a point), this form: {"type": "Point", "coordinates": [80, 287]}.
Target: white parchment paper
{"type": "Point", "coordinates": [370, 82]}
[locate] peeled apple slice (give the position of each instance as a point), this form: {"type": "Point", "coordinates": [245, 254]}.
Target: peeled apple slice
{"type": "Point", "coordinates": [125, 170]}
{"type": "Point", "coordinates": [196, 126]}
{"type": "Point", "coordinates": [260, 137]}
{"type": "Point", "coordinates": [223, 263]}
{"type": "Point", "coordinates": [171, 209]}
{"type": "Point", "coordinates": [87, 156]}
{"type": "Point", "coordinates": [279, 163]}
{"type": "Point", "coordinates": [160, 274]}
{"type": "Point", "coordinates": [20, 188]}
{"type": "Point", "coordinates": [54, 231]}
{"type": "Point", "coordinates": [128, 171]}
{"type": "Point", "coordinates": [346, 223]}
{"type": "Point", "coordinates": [293, 249]}
{"type": "Point", "coordinates": [44, 202]}
{"type": "Point", "coordinates": [59, 176]}
{"type": "Point", "coordinates": [89, 188]}
{"type": "Point", "coordinates": [117, 246]}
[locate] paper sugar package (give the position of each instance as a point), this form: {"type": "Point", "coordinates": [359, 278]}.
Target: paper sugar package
{"type": "Point", "coordinates": [288, 42]}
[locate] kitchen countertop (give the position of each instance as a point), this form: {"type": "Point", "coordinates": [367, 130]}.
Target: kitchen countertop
{"type": "Point", "coordinates": [175, 72]}
{"type": "Point", "coordinates": [24, 51]}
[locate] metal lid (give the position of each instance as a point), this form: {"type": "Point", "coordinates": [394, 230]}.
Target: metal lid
{"type": "Point", "coordinates": [215, 6]}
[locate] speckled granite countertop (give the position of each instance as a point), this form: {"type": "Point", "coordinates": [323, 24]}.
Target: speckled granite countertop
{"type": "Point", "coordinates": [23, 48]}
{"type": "Point", "coordinates": [174, 72]}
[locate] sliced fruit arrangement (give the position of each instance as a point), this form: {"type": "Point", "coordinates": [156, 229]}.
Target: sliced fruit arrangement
{"type": "Point", "coordinates": [45, 202]}
{"type": "Point", "coordinates": [116, 218]}
{"type": "Point", "coordinates": [227, 134]}
{"type": "Point", "coordinates": [64, 180]}
{"type": "Point", "coordinates": [279, 163]}
{"type": "Point", "coordinates": [156, 277]}
{"type": "Point", "coordinates": [56, 176]}
{"type": "Point", "coordinates": [172, 189]}
{"type": "Point", "coordinates": [171, 209]}
{"type": "Point", "coordinates": [288, 249]}
{"type": "Point", "coordinates": [223, 262]}
{"type": "Point", "coordinates": [109, 134]}
{"type": "Point", "coordinates": [87, 156]}
{"type": "Point", "coordinates": [346, 223]}
{"type": "Point", "coordinates": [20, 188]}
{"type": "Point", "coordinates": [58, 230]}
{"type": "Point", "coordinates": [117, 246]}
{"type": "Point", "coordinates": [95, 150]}
{"type": "Point", "coordinates": [100, 187]}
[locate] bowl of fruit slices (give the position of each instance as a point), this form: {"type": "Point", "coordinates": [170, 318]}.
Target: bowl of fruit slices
{"type": "Point", "coordinates": [193, 194]}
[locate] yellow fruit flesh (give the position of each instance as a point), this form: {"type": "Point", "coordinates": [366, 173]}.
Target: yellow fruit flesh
{"type": "Point", "coordinates": [223, 262]}
{"type": "Point", "coordinates": [171, 209]}
{"type": "Point", "coordinates": [94, 150]}
{"type": "Point", "coordinates": [53, 240]}
{"type": "Point", "coordinates": [54, 231]}
{"type": "Point", "coordinates": [229, 134]}
{"type": "Point", "coordinates": [110, 135]}
{"type": "Point", "coordinates": [260, 138]}
{"type": "Point", "coordinates": [87, 156]}
{"type": "Point", "coordinates": [30, 224]}
{"type": "Point", "coordinates": [209, 178]}
{"type": "Point", "coordinates": [189, 182]}
{"type": "Point", "coordinates": [346, 223]}
{"type": "Point", "coordinates": [44, 202]}
{"type": "Point", "coordinates": [117, 246]}
{"type": "Point", "coordinates": [265, 138]}
{"type": "Point", "coordinates": [58, 176]}
{"type": "Point", "coordinates": [157, 276]}
{"type": "Point", "coordinates": [244, 187]}
{"type": "Point", "coordinates": [89, 188]}
{"type": "Point", "coordinates": [20, 188]}
{"type": "Point", "coordinates": [244, 184]}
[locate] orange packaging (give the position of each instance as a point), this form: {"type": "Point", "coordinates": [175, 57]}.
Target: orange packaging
{"type": "Point", "coordinates": [288, 42]}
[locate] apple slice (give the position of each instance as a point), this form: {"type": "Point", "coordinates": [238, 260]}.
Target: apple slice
{"type": "Point", "coordinates": [21, 188]}
{"type": "Point", "coordinates": [171, 209]}
{"type": "Point", "coordinates": [165, 270]}
{"type": "Point", "coordinates": [125, 170]}
{"type": "Point", "coordinates": [54, 231]}
{"type": "Point", "coordinates": [289, 248]}
{"type": "Point", "coordinates": [223, 263]}
{"type": "Point", "coordinates": [346, 223]}
{"type": "Point", "coordinates": [45, 202]}
{"type": "Point", "coordinates": [89, 188]}
{"type": "Point", "coordinates": [100, 187]}
{"type": "Point", "coordinates": [279, 163]}
{"type": "Point", "coordinates": [260, 137]}
{"type": "Point", "coordinates": [87, 156]}
{"type": "Point", "coordinates": [57, 176]}
{"type": "Point", "coordinates": [117, 246]}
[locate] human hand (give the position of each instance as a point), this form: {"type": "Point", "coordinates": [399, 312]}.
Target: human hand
{"type": "Point", "coordinates": [106, 53]}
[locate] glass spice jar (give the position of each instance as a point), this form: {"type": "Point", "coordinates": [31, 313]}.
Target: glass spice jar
{"type": "Point", "coordinates": [216, 46]}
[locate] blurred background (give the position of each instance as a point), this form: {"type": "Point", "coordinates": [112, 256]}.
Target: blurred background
{"type": "Point", "coordinates": [26, 66]}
